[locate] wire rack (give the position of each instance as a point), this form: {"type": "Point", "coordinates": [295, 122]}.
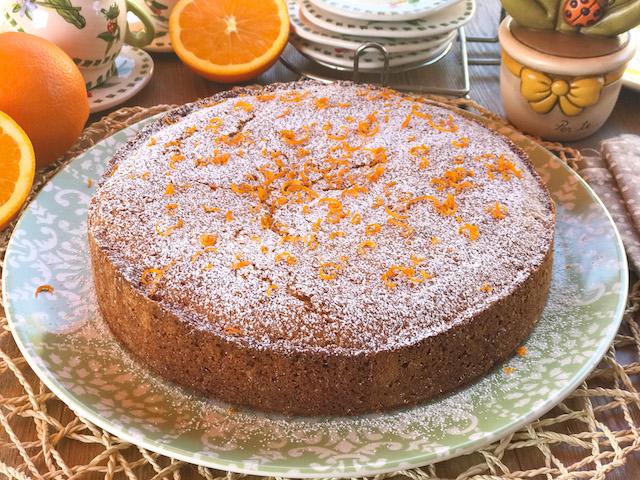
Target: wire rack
{"type": "Point", "coordinates": [463, 61]}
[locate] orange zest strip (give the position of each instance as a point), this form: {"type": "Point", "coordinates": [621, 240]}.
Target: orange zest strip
{"type": "Point", "coordinates": [462, 142]}
{"type": "Point", "coordinates": [240, 264]}
{"type": "Point", "coordinates": [289, 137]}
{"type": "Point", "coordinates": [504, 167]}
{"type": "Point", "coordinates": [372, 229]}
{"type": "Point", "coordinates": [407, 230]}
{"type": "Point", "coordinates": [169, 230]}
{"type": "Point", "coordinates": [366, 245]}
{"type": "Point", "coordinates": [232, 330]}
{"type": "Point", "coordinates": [470, 231]}
{"type": "Point", "coordinates": [228, 216]}
{"type": "Point", "coordinates": [43, 289]}
{"type": "Point", "coordinates": [170, 190]}
{"type": "Point", "coordinates": [497, 211]}
{"type": "Point", "coordinates": [395, 215]}
{"type": "Point", "coordinates": [265, 97]}
{"type": "Point", "coordinates": [368, 127]}
{"type": "Point", "coordinates": [486, 288]}
{"type": "Point", "coordinates": [521, 351]}
{"type": "Point", "coordinates": [322, 103]}
{"type": "Point", "coordinates": [336, 234]}
{"type": "Point", "coordinates": [455, 178]}
{"type": "Point", "coordinates": [151, 275]}
{"type": "Point", "coordinates": [446, 208]}
{"type": "Point", "coordinates": [286, 257]}
{"type": "Point", "coordinates": [270, 289]}
{"type": "Point", "coordinates": [214, 124]}
{"type": "Point", "coordinates": [356, 219]}
{"type": "Point", "coordinates": [246, 106]}
{"type": "Point", "coordinates": [338, 137]}
{"type": "Point", "coordinates": [208, 209]}
{"type": "Point", "coordinates": [208, 239]}
{"type": "Point", "coordinates": [152, 141]}
{"type": "Point", "coordinates": [329, 270]}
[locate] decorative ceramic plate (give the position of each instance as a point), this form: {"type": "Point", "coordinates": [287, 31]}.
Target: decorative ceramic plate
{"type": "Point", "coordinates": [383, 10]}
{"type": "Point", "coordinates": [370, 60]}
{"type": "Point", "coordinates": [134, 69]}
{"type": "Point", "coordinates": [443, 21]}
{"type": "Point", "coordinates": [66, 342]}
{"type": "Point", "coordinates": [160, 44]}
{"type": "Point", "coordinates": [631, 77]}
{"type": "Point", "coordinates": [308, 31]}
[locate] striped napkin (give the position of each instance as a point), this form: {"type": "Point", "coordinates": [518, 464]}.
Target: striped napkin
{"type": "Point", "coordinates": [614, 174]}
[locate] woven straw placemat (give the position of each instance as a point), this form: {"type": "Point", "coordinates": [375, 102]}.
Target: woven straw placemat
{"type": "Point", "coordinates": [591, 434]}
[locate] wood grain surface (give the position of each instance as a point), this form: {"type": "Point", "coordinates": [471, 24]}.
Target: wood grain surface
{"type": "Point", "coordinates": [173, 83]}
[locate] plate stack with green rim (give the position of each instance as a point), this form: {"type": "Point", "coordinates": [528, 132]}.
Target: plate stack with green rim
{"type": "Point", "coordinates": [413, 32]}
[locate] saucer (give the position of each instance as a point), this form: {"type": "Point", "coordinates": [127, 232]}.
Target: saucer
{"type": "Point", "coordinates": [307, 30]}
{"type": "Point", "coordinates": [160, 44]}
{"type": "Point", "coordinates": [369, 61]}
{"type": "Point", "coordinates": [383, 10]}
{"type": "Point", "coordinates": [134, 68]}
{"type": "Point", "coordinates": [443, 21]}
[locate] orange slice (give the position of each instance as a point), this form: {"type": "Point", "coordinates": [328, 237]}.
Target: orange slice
{"type": "Point", "coordinates": [18, 168]}
{"type": "Point", "coordinates": [229, 40]}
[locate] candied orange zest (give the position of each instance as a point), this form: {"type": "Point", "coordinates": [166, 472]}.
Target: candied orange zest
{"type": "Point", "coordinates": [486, 288]}
{"type": "Point", "coordinates": [170, 190]}
{"type": "Point", "coordinates": [169, 230]}
{"type": "Point", "coordinates": [214, 124]}
{"type": "Point", "coordinates": [151, 275]}
{"type": "Point", "coordinates": [497, 211]}
{"type": "Point", "coordinates": [284, 113]}
{"type": "Point", "coordinates": [336, 234]}
{"type": "Point", "coordinates": [462, 142]}
{"type": "Point", "coordinates": [289, 137]}
{"type": "Point", "coordinates": [329, 270]}
{"type": "Point", "coordinates": [228, 216]}
{"type": "Point", "coordinates": [293, 96]}
{"type": "Point", "coordinates": [372, 229]}
{"type": "Point", "coordinates": [368, 127]}
{"type": "Point", "coordinates": [521, 351]}
{"type": "Point", "coordinates": [240, 264]}
{"type": "Point", "coordinates": [232, 330]}
{"type": "Point", "coordinates": [396, 215]}
{"type": "Point", "coordinates": [246, 106]}
{"type": "Point", "coordinates": [265, 97]}
{"type": "Point", "coordinates": [208, 239]}
{"type": "Point", "coordinates": [509, 370]}
{"type": "Point", "coordinates": [470, 231]}
{"type": "Point", "coordinates": [43, 289]}
{"type": "Point", "coordinates": [175, 158]}
{"type": "Point", "coordinates": [356, 219]}
{"type": "Point", "coordinates": [354, 191]}
{"type": "Point", "coordinates": [327, 127]}
{"type": "Point", "coordinates": [376, 173]}
{"type": "Point", "coordinates": [208, 209]}
{"type": "Point", "coordinates": [322, 103]}
{"type": "Point", "coordinates": [504, 167]}
{"type": "Point", "coordinates": [270, 289]}
{"type": "Point", "coordinates": [152, 141]}
{"type": "Point", "coordinates": [446, 208]}
{"type": "Point", "coordinates": [406, 229]}
{"type": "Point", "coordinates": [365, 246]}
{"type": "Point", "coordinates": [378, 202]}
{"type": "Point", "coordinates": [455, 178]}
{"type": "Point", "coordinates": [311, 241]}
{"type": "Point", "coordinates": [286, 257]}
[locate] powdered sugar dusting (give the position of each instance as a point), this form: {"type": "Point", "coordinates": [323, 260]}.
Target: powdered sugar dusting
{"type": "Point", "coordinates": [149, 215]}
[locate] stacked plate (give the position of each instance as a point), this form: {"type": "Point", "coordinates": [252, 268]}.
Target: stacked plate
{"type": "Point", "coordinates": [414, 32]}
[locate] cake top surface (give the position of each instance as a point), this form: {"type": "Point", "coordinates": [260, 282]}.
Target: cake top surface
{"type": "Point", "coordinates": [342, 218]}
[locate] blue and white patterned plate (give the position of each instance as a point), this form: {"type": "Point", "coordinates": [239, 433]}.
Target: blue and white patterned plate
{"type": "Point", "coordinates": [66, 342]}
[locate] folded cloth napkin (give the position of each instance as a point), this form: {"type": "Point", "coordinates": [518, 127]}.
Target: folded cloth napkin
{"type": "Point", "coordinates": [614, 175]}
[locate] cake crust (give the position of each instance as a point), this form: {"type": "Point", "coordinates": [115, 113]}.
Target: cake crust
{"type": "Point", "coordinates": [235, 356]}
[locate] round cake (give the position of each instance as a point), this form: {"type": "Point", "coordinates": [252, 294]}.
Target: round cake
{"type": "Point", "coordinates": [319, 249]}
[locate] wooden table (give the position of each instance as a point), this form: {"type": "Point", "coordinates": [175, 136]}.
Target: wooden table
{"type": "Point", "coordinates": [173, 83]}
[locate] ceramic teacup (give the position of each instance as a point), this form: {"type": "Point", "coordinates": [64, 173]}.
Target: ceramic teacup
{"type": "Point", "coordinates": [159, 10]}
{"type": "Point", "coordinates": [92, 32]}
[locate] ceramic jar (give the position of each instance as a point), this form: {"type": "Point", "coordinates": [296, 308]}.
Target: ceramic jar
{"type": "Point", "coordinates": [564, 96]}
{"type": "Point", "coordinates": [91, 32]}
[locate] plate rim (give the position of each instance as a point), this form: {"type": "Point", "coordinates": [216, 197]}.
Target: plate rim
{"type": "Point", "coordinates": [463, 448]}
{"type": "Point", "coordinates": [380, 16]}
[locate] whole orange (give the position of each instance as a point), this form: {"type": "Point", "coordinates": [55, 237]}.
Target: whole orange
{"type": "Point", "coordinates": [43, 91]}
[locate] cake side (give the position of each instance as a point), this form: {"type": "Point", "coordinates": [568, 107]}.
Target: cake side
{"type": "Point", "coordinates": [312, 382]}
{"type": "Point", "coordinates": [428, 301]}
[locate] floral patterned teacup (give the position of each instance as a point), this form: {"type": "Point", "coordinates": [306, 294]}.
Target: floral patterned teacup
{"type": "Point", "coordinates": [92, 32]}
{"type": "Point", "coordinates": [160, 11]}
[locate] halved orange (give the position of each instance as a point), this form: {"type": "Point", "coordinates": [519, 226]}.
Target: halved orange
{"type": "Point", "coordinates": [18, 165]}
{"type": "Point", "coordinates": [229, 40]}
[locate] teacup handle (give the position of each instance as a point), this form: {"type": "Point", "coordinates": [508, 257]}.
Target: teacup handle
{"type": "Point", "coordinates": [144, 36]}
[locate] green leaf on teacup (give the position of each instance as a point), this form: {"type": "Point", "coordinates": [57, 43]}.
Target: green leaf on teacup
{"type": "Point", "coordinates": [67, 11]}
